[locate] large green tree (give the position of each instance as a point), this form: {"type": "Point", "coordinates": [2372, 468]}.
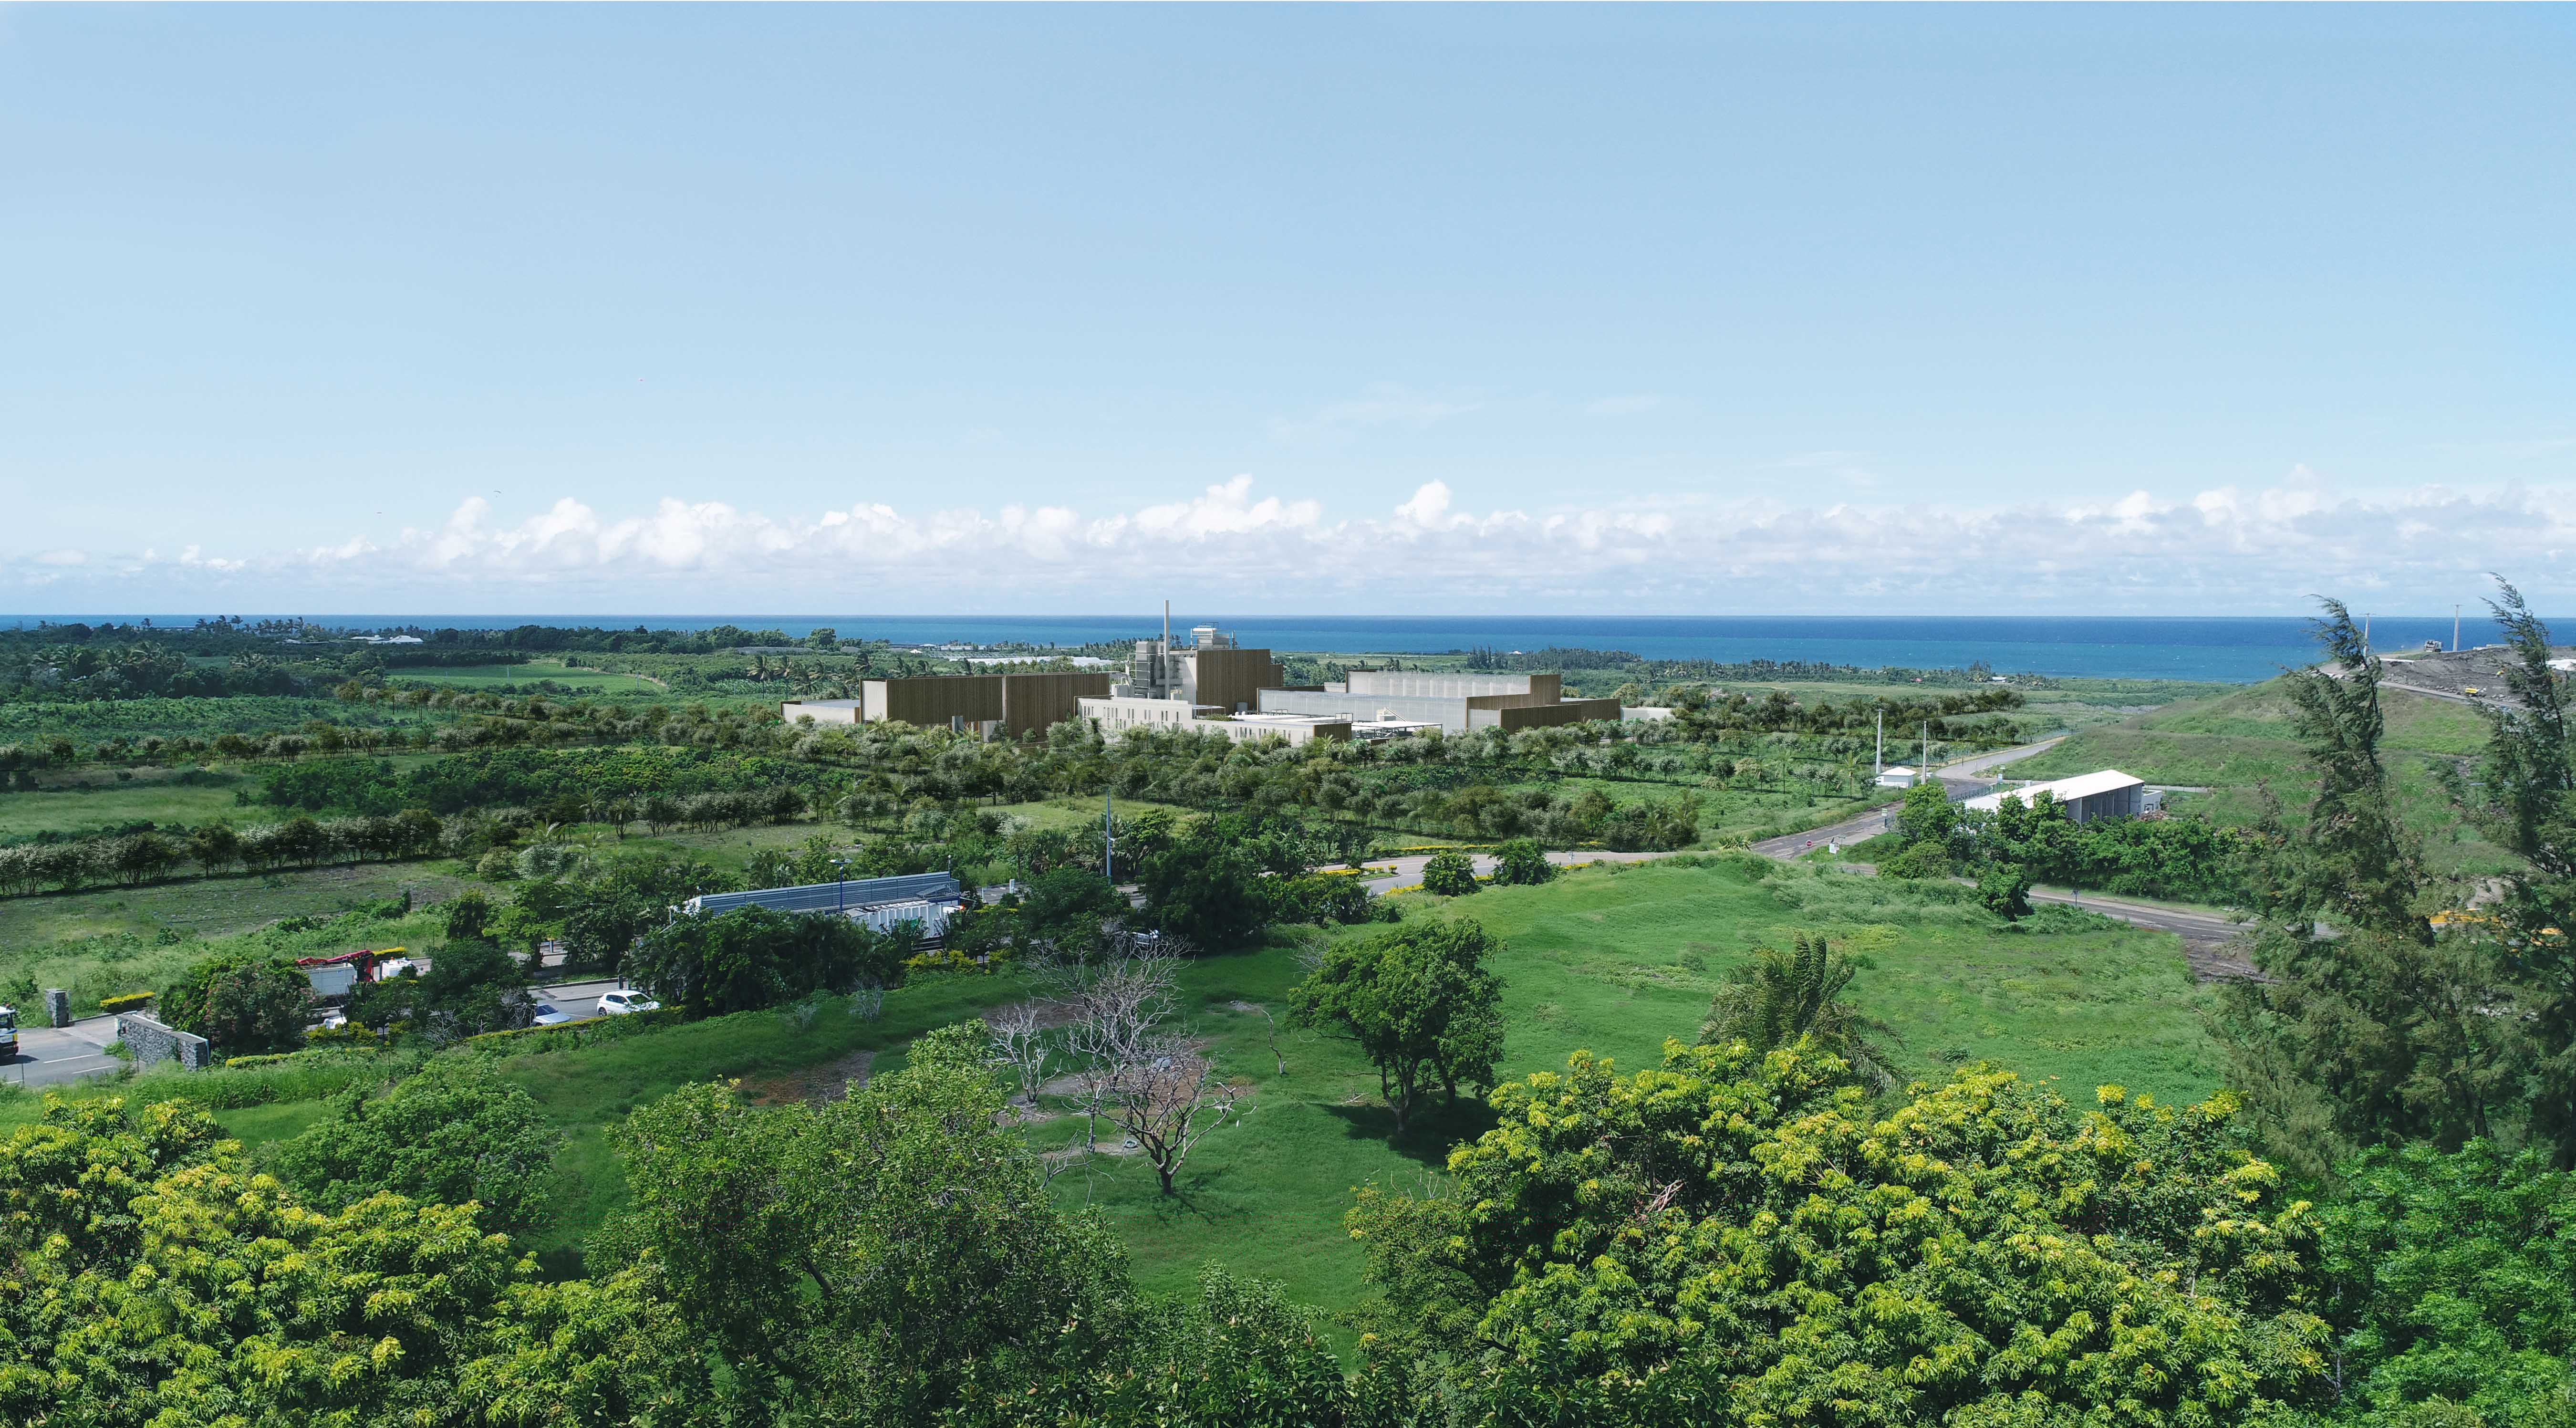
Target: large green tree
{"type": "Point", "coordinates": [712, 963]}
{"type": "Point", "coordinates": [155, 1280]}
{"type": "Point", "coordinates": [2453, 1279]}
{"type": "Point", "coordinates": [1730, 1238]}
{"type": "Point", "coordinates": [1419, 1001]}
{"type": "Point", "coordinates": [452, 1134]}
{"type": "Point", "coordinates": [891, 1256]}
{"type": "Point", "coordinates": [242, 1003]}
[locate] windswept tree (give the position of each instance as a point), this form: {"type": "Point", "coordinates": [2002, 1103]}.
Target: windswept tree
{"type": "Point", "coordinates": [1778, 997]}
{"type": "Point", "coordinates": [2365, 1029]}
{"type": "Point", "coordinates": [2524, 797]}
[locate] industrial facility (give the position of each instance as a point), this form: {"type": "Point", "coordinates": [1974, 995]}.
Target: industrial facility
{"type": "Point", "coordinates": [2108, 793]}
{"type": "Point", "coordinates": [1213, 685]}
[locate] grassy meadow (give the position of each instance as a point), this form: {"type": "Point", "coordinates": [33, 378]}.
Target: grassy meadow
{"type": "Point", "coordinates": [1613, 959]}
{"type": "Point", "coordinates": [2239, 745]}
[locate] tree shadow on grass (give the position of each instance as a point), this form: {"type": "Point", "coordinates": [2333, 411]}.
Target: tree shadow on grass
{"type": "Point", "coordinates": [1436, 1128]}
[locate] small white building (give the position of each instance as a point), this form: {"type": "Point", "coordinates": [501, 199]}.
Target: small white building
{"type": "Point", "coordinates": [2107, 793]}
{"type": "Point", "coordinates": [1898, 777]}
{"type": "Point", "coordinates": [821, 711]}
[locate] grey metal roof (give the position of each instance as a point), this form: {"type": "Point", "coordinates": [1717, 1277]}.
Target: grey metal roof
{"type": "Point", "coordinates": [830, 897]}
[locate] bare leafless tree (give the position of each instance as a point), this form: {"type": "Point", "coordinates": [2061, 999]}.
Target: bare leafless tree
{"type": "Point", "coordinates": [1020, 1042]}
{"type": "Point", "coordinates": [1167, 1095]}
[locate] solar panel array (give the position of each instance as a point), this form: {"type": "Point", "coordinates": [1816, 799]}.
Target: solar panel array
{"type": "Point", "coordinates": [829, 897]}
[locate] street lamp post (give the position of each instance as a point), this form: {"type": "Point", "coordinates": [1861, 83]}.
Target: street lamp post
{"type": "Point", "coordinates": [841, 887]}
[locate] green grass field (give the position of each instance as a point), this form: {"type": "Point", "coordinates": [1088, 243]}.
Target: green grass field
{"type": "Point", "coordinates": [1613, 960]}
{"type": "Point", "coordinates": [96, 799]}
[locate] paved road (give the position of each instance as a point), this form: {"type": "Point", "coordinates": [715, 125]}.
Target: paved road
{"type": "Point", "coordinates": [1851, 830]}
{"type": "Point", "coordinates": [2213, 945]}
{"type": "Point", "coordinates": [1988, 763]}
{"type": "Point", "coordinates": [50, 1056]}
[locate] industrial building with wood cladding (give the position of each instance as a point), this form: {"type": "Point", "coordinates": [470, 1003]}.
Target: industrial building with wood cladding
{"type": "Point", "coordinates": [1212, 685]}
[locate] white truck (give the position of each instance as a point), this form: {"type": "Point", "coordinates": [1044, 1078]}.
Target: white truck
{"type": "Point", "coordinates": [8, 1033]}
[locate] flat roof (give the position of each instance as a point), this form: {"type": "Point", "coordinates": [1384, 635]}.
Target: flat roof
{"type": "Point", "coordinates": [824, 703]}
{"type": "Point", "coordinates": [2064, 790]}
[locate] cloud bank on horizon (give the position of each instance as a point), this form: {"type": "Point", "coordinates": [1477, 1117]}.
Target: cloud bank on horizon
{"type": "Point", "coordinates": [2219, 551]}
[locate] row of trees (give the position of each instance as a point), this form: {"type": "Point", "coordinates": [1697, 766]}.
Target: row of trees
{"type": "Point", "coordinates": [218, 847]}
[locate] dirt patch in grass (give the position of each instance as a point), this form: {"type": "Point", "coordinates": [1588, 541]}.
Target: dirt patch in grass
{"type": "Point", "coordinates": [815, 1085]}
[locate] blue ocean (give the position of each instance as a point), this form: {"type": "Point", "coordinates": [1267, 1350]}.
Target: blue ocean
{"type": "Point", "coordinates": [2227, 649]}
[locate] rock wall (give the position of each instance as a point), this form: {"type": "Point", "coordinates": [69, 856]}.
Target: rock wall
{"type": "Point", "coordinates": [152, 1042]}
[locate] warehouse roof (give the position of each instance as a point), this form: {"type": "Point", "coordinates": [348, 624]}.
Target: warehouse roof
{"type": "Point", "coordinates": [2064, 790]}
{"type": "Point", "coordinates": [833, 897]}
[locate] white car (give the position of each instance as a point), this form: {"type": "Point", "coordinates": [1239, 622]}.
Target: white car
{"type": "Point", "coordinates": [548, 1014]}
{"type": "Point", "coordinates": [620, 1003]}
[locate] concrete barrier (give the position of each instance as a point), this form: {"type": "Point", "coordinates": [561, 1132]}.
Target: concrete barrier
{"type": "Point", "coordinates": [58, 1007]}
{"type": "Point", "coordinates": [152, 1042]}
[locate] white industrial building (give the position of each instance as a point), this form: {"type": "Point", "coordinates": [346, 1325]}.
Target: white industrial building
{"type": "Point", "coordinates": [2107, 793]}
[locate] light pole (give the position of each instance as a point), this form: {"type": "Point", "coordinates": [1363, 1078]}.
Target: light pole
{"type": "Point", "coordinates": [841, 885]}
{"type": "Point", "coordinates": [1109, 821]}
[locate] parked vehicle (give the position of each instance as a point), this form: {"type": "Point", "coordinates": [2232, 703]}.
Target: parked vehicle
{"type": "Point", "coordinates": [620, 1003]}
{"type": "Point", "coordinates": [548, 1014]}
{"type": "Point", "coordinates": [8, 1031]}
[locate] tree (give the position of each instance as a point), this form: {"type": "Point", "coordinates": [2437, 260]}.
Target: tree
{"type": "Point", "coordinates": [2524, 798]}
{"type": "Point", "coordinates": [156, 1278]}
{"type": "Point", "coordinates": [2366, 1029]}
{"type": "Point", "coordinates": [1778, 997]}
{"type": "Point", "coordinates": [1449, 874]}
{"type": "Point", "coordinates": [2453, 1277]}
{"type": "Point", "coordinates": [712, 963]}
{"type": "Point", "coordinates": [1521, 863]}
{"type": "Point", "coordinates": [242, 1003]}
{"type": "Point", "coordinates": [1069, 907]}
{"type": "Point", "coordinates": [1205, 889]}
{"type": "Point", "coordinates": [2005, 890]}
{"type": "Point", "coordinates": [1419, 1001]}
{"type": "Point", "coordinates": [1730, 1237]}
{"type": "Point", "coordinates": [894, 1254]}
{"type": "Point", "coordinates": [1927, 815]}
{"type": "Point", "coordinates": [469, 913]}
{"type": "Point", "coordinates": [449, 1135]}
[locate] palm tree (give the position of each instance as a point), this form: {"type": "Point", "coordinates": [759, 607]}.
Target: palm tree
{"type": "Point", "coordinates": [1779, 996]}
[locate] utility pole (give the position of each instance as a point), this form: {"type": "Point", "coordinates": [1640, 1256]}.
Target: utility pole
{"type": "Point", "coordinates": [1108, 820]}
{"type": "Point", "coordinates": [1878, 761]}
{"type": "Point", "coordinates": [2365, 632]}
{"type": "Point", "coordinates": [1927, 752]}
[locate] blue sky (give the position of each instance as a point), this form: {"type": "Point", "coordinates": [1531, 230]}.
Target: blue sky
{"type": "Point", "coordinates": [1669, 310]}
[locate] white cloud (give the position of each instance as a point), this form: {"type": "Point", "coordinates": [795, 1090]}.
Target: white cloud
{"type": "Point", "coordinates": [1623, 406]}
{"type": "Point", "coordinates": [2221, 550]}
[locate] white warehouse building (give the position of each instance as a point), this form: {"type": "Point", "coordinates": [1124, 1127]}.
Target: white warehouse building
{"type": "Point", "coordinates": [2107, 793]}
